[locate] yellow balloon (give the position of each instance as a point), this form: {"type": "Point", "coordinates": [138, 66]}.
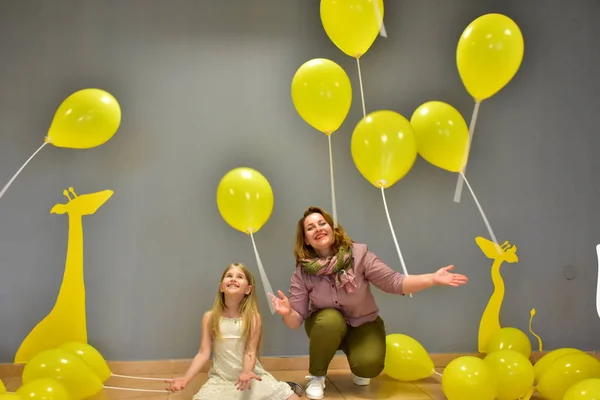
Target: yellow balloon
{"type": "Point", "coordinates": [442, 135]}
{"type": "Point", "coordinates": [587, 389]}
{"type": "Point", "coordinates": [245, 199]}
{"type": "Point", "coordinates": [11, 396]}
{"type": "Point", "coordinates": [87, 118]}
{"type": "Point", "coordinates": [91, 357]}
{"type": "Point", "coordinates": [547, 359]}
{"type": "Point", "coordinates": [322, 94]}
{"type": "Point", "coordinates": [2, 387]}
{"type": "Point", "coordinates": [489, 54]}
{"type": "Point", "coordinates": [65, 367]}
{"type": "Point", "coordinates": [406, 359]}
{"type": "Point", "coordinates": [352, 25]}
{"type": "Point", "coordinates": [514, 372]}
{"type": "Point", "coordinates": [566, 371]}
{"type": "Point", "coordinates": [510, 339]}
{"type": "Point", "coordinates": [467, 378]}
{"type": "Point", "coordinates": [383, 148]}
{"type": "Point", "coordinates": [44, 389]}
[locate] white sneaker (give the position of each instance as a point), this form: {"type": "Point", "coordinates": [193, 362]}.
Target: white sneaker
{"type": "Point", "coordinates": [358, 381]}
{"type": "Point", "coordinates": [314, 387]}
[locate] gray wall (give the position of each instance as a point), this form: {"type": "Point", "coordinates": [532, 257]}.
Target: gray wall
{"type": "Point", "coordinates": [205, 87]}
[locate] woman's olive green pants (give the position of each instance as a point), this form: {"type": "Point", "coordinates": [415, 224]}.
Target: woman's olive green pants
{"type": "Point", "coordinates": [364, 345]}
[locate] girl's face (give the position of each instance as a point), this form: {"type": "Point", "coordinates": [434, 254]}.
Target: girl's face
{"type": "Point", "coordinates": [235, 282]}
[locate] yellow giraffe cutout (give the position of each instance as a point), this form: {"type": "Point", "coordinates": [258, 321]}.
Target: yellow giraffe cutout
{"type": "Point", "coordinates": [490, 320]}
{"type": "Point", "coordinates": [66, 322]}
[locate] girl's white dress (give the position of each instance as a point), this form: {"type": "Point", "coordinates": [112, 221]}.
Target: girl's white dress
{"type": "Point", "coordinates": [228, 357]}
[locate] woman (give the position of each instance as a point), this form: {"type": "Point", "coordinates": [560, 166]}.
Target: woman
{"type": "Point", "coordinates": [334, 274]}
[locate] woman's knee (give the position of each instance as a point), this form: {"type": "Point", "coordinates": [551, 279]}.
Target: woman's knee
{"type": "Point", "coordinates": [367, 364]}
{"type": "Point", "coordinates": [329, 320]}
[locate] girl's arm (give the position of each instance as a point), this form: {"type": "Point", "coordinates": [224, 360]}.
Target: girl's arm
{"type": "Point", "coordinates": [252, 345]}
{"type": "Point", "coordinates": [205, 348]}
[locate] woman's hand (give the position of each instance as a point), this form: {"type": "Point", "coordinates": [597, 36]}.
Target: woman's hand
{"type": "Point", "coordinates": [177, 384]}
{"type": "Point", "coordinates": [281, 304]}
{"type": "Point", "coordinates": [443, 277]}
{"type": "Point", "coordinates": [243, 382]}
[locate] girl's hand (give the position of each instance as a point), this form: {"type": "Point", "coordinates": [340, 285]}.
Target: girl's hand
{"type": "Point", "coordinates": [281, 304]}
{"type": "Point", "coordinates": [243, 382]}
{"type": "Point", "coordinates": [443, 277]}
{"type": "Point", "coordinates": [177, 384]}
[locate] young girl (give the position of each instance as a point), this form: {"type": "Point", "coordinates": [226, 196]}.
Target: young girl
{"type": "Point", "coordinates": [233, 331]}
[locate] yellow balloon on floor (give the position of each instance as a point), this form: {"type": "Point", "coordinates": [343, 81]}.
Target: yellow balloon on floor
{"type": "Point", "coordinates": [406, 359]}
{"type": "Point", "coordinates": [467, 378]}
{"type": "Point", "coordinates": [547, 359]}
{"type": "Point", "coordinates": [383, 148]}
{"type": "Point", "coordinates": [322, 94]}
{"type": "Point", "coordinates": [245, 199]}
{"type": "Point", "coordinates": [65, 367]}
{"type": "Point", "coordinates": [442, 135]}
{"type": "Point", "coordinates": [14, 396]}
{"type": "Point", "coordinates": [91, 357]}
{"type": "Point", "coordinates": [509, 338]}
{"type": "Point", "coordinates": [489, 54]}
{"type": "Point", "coordinates": [87, 118]}
{"type": "Point", "coordinates": [352, 25]}
{"type": "Point", "coordinates": [587, 389]}
{"type": "Point", "coordinates": [566, 371]}
{"type": "Point", "coordinates": [514, 372]}
{"type": "Point", "coordinates": [43, 389]}
{"type": "Point", "coordinates": [2, 387]}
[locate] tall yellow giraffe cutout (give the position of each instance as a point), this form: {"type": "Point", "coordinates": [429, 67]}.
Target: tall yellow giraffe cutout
{"type": "Point", "coordinates": [66, 322]}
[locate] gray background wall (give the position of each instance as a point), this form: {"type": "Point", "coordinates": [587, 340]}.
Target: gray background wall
{"type": "Point", "coordinates": [205, 87]}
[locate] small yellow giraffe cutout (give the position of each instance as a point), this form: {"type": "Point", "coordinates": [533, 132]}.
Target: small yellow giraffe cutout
{"type": "Point", "coordinates": [66, 322]}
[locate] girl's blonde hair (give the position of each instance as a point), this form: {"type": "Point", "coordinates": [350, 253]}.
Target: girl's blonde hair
{"type": "Point", "coordinates": [248, 306]}
{"type": "Point", "coordinates": [303, 250]}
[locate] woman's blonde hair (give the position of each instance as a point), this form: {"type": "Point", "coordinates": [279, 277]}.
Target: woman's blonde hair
{"type": "Point", "coordinates": [248, 306]}
{"type": "Point", "coordinates": [303, 250]}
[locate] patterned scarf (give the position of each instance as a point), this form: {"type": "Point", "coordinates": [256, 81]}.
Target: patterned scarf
{"type": "Point", "coordinates": [339, 265]}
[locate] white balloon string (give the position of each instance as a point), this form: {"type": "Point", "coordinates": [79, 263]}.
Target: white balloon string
{"type": "Point", "coordinates": [263, 276]}
{"type": "Point", "coordinates": [485, 220]}
{"type": "Point", "coordinates": [394, 234]}
{"type": "Point", "coordinates": [362, 93]}
{"type": "Point", "coordinates": [598, 287]}
{"type": "Point", "coordinates": [459, 183]}
{"type": "Point", "coordinates": [138, 377]}
{"type": "Point", "coordinates": [164, 391]}
{"type": "Point", "coordinates": [5, 188]}
{"type": "Point", "coordinates": [334, 207]}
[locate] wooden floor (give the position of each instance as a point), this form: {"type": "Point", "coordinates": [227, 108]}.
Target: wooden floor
{"type": "Point", "coordinates": [339, 386]}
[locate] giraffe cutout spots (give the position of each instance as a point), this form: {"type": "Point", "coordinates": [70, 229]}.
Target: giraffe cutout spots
{"type": "Point", "coordinates": [66, 322]}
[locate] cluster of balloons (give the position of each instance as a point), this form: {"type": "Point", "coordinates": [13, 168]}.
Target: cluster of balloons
{"type": "Point", "coordinates": [72, 371]}
{"type": "Point", "coordinates": [506, 372]}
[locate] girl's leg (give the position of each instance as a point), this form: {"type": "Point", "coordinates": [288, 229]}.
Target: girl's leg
{"type": "Point", "coordinates": [326, 330]}
{"type": "Point", "coordinates": [365, 348]}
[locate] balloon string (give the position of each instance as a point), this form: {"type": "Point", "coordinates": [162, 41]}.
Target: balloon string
{"type": "Point", "coordinates": [137, 390]}
{"type": "Point", "coordinates": [394, 234]}
{"type": "Point", "coordinates": [437, 373]}
{"type": "Point", "coordinates": [528, 395]}
{"type": "Point", "coordinates": [5, 188]}
{"type": "Point", "coordinates": [485, 220]}
{"type": "Point", "coordinates": [334, 208]}
{"type": "Point", "coordinates": [598, 284]}
{"type": "Point", "coordinates": [362, 93]}
{"type": "Point", "coordinates": [138, 377]}
{"type": "Point", "coordinates": [459, 183]}
{"type": "Point", "coordinates": [263, 275]}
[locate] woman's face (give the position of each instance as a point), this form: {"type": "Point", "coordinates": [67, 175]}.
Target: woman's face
{"type": "Point", "coordinates": [318, 233]}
